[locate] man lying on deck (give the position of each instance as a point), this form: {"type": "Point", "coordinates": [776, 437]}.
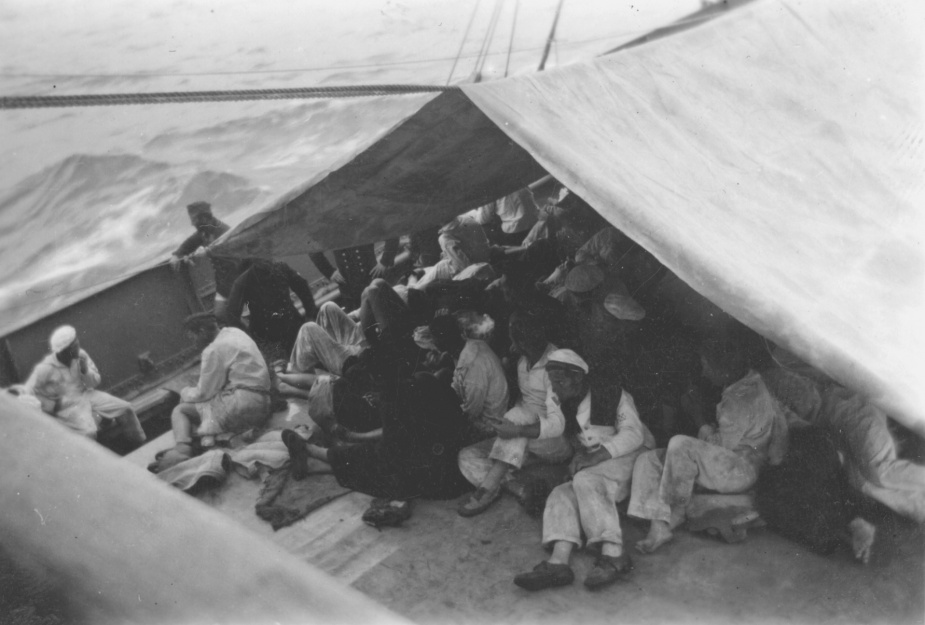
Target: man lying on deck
{"type": "Point", "coordinates": [608, 444]}
{"type": "Point", "coordinates": [65, 383]}
{"type": "Point", "coordinates": [324, 344]}
{"type": "Point", "coordinates": [726, 458]}
{"type": "Point", "coordinates": [233, 393]}
{"type": "Point", "coordinates": [526, 434]}
{"type": "Point", "coordinates": [858, 429]}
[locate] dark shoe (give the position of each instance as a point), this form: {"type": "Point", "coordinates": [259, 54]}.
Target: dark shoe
{"type": "Point", "coordinates": [298, 454]}
{"type": "Point", "coordinates": [478, 502]}
{"type": "Point", "coordinates": [546, 575]}
{"type": "Point", "coordinates": [171, 457]}
{"type": "Point", "coordinates": [607, 570]}
{"type": "Point", "coordinates": [386, 513]}
{"type": "Point", "coordinates": [530, 492]}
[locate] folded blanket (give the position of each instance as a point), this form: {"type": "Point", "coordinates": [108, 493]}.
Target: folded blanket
{"type": "Point", "coordinates": [282, 500]}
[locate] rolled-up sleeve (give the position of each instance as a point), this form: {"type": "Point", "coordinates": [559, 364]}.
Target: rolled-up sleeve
{"type": "Point", "coordinates": [553, 424]}
{"type": "Point", "coordinates": [211, 378]}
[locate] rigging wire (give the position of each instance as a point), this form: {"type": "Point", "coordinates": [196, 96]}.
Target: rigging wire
{"type": "Point", "coordinates": [552, 34]}
{"type": "Point", "coordinates": [489, 36]}
{"type": "Point", "coordinates": [293, 70]}
{"type": "Point", "coordinates": [462, 43]}
{"type": "Point", "coordinates": [111, 99]}
{"type": "Point", "coordinates": [510, 45]}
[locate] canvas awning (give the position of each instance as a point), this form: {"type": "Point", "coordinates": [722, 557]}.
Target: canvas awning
{"type": "Point", "coordinates": [772, 159]}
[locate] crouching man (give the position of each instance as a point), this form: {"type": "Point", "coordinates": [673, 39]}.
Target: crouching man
{"type": "Point", "coordinates": [65, 383]}
{"type": "Point", "coordinates": [607, 447]}
{"type": "Point", "coordinates": [750, 430]}
{"type": "Point", "coordinates": [233, 394]}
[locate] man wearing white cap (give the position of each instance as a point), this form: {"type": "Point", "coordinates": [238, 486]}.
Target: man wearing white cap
{"type": "Point", "coordinates": [65, 383]}
{"type": "Point", "coordinates": [608, 443]}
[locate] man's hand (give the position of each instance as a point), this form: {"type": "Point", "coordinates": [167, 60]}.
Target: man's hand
{"type": "Point", "coordinates": [378, 271]}
{"type": "Point", "coordinates": [585, 459]}
{"type": "Point", "coordinates": [175, 262]}
{"type": "Point", "coordinates": [505, 429]}
{"type": "Point", "coordinates": [337, 278]}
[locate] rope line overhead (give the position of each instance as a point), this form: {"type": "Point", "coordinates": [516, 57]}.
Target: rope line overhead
{"type": "Point", "coordinates": [173, 97]}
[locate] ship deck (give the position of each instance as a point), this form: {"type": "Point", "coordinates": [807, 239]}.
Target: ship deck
{"type": "Point", "coordinates": [441, 568]}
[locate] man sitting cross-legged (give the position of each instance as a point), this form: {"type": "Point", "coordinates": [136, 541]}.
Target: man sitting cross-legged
{"type": "Point", "coordinates": [527, 433]}
{"type": "Point", "coordinates": [233, 394]}
{"type": "Point", "coordinates": [750, 430]}
{"type": "Point", "coordinates": [608, 445]}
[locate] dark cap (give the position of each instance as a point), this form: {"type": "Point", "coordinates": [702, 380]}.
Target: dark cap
{"type": "Point", "coordinates": [197, 320]}
{"type": "Point", "coordinates": [198, 208]}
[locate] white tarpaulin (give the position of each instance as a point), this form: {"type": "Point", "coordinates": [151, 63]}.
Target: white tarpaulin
{"type": "Point", "coordinates": [773, 159]}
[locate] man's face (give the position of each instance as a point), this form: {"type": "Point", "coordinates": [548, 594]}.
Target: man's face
{"type": "Point", "coordinates": [566, 384]}
{"type": "Point", "coordinates": [200, 220]}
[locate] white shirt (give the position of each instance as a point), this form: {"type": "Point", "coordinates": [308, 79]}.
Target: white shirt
{"type": "Point", "coordinates": [518, 212]}
{"type": "Point", "coordinates": [534, 389]}
{"type": "Point", "coordinates": [629, 435]}
{"type": "Point", "coordinates": [480, 383]}
{"type": "Point", "coordinates": [229, 362]}
{"type": "Point", "coordinates": [52, 383]}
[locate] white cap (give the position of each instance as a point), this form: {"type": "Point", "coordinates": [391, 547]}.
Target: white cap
{"type": "Point", "coordinates": [61, 338]}
{"type": "Point", "coordinates": [567, 357]}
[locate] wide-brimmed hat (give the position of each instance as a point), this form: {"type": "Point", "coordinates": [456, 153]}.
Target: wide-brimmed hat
{"type": "Point", "coordinates": [583, 278]}
{"type": "Point", "coordinates": [624, 307]}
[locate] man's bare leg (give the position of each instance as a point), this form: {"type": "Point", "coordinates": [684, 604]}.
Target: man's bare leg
{"type": "Point", "coordinates": [297, 380]}
{"type": "Point", "coordinates": [182, 418]}
{"type": "Point", "coordinates": [289, 390]}
{"type": "Point", "coordinates": [561, 552]}
{"type": "Point", "coordinates": [659, 534]}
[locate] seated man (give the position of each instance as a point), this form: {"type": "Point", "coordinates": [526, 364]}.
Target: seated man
{"type": "Point", "coordinates": [607, 321]}
{"type": "Point", "coordinates": [65, 383]}
{"type": "Point", "coordinates": [233, 393]}
{"type": "Point", "coordinates": [464, 243]}
{"type": "Point", "coordinates": [526, 434]}
{"type": "Point", "coordinates": [725, 458]}
{"type": "Point", "coordinates": [264, 287]}
{"type": "Point", "coordinates": [478, 377]}
{"type": "Point", "coordinates": [413, 454]}
{"type": "Point", "coordinates": [509, 219]}
{"type": "Point", "coordinates": [585, 508]}
{"type": "Point", "coordinates": [324, 344]}
{"type": "Point", "coordinates": [859, 431]}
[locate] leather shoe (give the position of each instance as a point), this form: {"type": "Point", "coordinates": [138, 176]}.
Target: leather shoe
{"type": "Point", "coordinates": [607, 570]}
{"type": "Point", "coordinates": [546, 575]}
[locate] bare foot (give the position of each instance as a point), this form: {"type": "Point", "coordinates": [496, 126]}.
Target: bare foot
{"type": "Point", "coordinates": [862, 538]}
{"type": "Point", "coordinates": [659, 534]}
